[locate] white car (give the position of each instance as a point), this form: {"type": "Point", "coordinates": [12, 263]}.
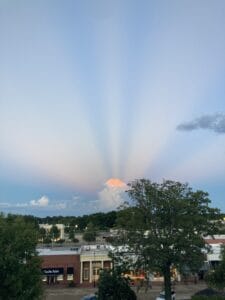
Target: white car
{"type": "Point", "coordinates": [162, 296]}
{"type": "Point", "coordinates": [89, 297]}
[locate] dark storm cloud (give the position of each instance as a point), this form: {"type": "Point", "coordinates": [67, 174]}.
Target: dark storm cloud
{"type": "Point", "coordinates": [215, 122]}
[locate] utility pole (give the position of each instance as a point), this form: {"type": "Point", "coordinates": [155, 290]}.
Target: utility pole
{"type": "Point", "coordinates": [94, 269]}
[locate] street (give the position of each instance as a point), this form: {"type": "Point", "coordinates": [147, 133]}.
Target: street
{"type": "Point", "coordinates": [183, 291]}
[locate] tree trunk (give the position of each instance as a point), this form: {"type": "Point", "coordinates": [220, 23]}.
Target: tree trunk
{"type": "Point", "coordinates": [167, 281]}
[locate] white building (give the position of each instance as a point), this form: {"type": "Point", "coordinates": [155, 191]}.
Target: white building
{"type": "Point", "coordinates": [93, 258]}
{"type": "Point", "coordinates": [216, 242]}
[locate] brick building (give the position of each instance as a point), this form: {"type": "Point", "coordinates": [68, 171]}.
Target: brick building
{"type": "Point", "coordinates": [60, 266]}
{"type": "Point", "coordinates": [78, 266]}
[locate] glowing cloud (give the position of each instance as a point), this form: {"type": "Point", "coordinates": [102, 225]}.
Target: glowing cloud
{"type": "Point", "coordinates": [115, 182]}
{"type": "Point", "coordinates": [112, 195]}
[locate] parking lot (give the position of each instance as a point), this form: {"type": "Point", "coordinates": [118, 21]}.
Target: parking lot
{"type": "Point", "coordinates": [183, 291]}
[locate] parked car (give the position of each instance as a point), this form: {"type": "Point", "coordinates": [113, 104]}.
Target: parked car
{"type": "Point", "coordinates": [89, 297]}
{"type": "Point", "coordinates": [162, 296]}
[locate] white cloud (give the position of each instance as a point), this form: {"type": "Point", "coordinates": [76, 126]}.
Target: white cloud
{"type": "Point", "coordinates": [42, 202]}
{"type": "Point", "coordinates": [111, 197]}
{"type": "Point", "coordinates": [39, 204]}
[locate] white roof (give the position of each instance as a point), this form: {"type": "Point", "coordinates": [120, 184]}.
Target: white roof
{"type": "Point", "coordinates": [48, 251]}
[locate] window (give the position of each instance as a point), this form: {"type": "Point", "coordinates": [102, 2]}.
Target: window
{"type": "Point", "coordinates": [70, 273]}
{"type": "Point", "coordinates": [86, 274]}
{"type": "Point", "coordinates": [69, 276]}
{"type": "Point", "coordinates": [96, 271]}
{"type": "Point", "coordinates": [59, 277]}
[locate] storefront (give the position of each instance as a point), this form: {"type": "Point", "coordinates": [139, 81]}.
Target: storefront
{"type": "Point", "coordinates": [52, 275]}
{"type": "Point", "coordinates": [92, 261]}
{"type": "Point", "coordinates": [60, 267]}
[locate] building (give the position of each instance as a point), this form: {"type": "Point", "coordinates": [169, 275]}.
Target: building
{"type": "Point", "coordinates": [214, 256]}
{"type": "Point", "coordinates": [74, 266]}
{"type": "Point", "coordinates": [60, 266]}
{"type": "Point", "coordinates": [80, 266]}
{"type": "Point", "coordinates": [93, 258]}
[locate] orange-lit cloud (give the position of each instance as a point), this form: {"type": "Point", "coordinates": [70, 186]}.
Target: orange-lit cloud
{"type": "Point", "coordinates": [112, 195]}
{"type": "Point", "coordinates": [115, 182]}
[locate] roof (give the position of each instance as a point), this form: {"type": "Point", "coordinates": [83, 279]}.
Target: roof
{"type": "Point", "coordinates": [48, 251]}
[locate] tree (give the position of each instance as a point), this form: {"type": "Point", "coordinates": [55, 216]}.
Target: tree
{"type": "Point", "coordinates": [42, 233]}
{"type": "Point", "coordinates": [165, 227]}
{"type": "Point", "coordinates": [90, 233]}
{"type": "Point", "coordinates": [216, 278]}
{"type": "Point", "coordinates": [113, 286]}
{"type": "Point", "coordinates": [20, 276]}
{"type": "Point", "coordinates": [71, 233]}
{"type": "Point", "coordinates": [54, 233]}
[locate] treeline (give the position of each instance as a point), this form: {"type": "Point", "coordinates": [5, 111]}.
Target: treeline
{"type": "Point", "coordinates": [101, 221]}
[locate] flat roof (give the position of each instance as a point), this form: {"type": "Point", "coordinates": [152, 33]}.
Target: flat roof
{"type": "Point", "coordinates": [49, 251]}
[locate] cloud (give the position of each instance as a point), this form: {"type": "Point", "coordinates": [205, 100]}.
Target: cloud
{"type": "Point", "coordinates": [112, 196]}
{"type": "Point", "coordinates": [42, 202]}
{"type": "Point", "coordinates": [215, 122]}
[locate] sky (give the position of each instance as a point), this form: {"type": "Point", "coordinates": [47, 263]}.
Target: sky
{"type": "Point", "coordinates": [93, 90]}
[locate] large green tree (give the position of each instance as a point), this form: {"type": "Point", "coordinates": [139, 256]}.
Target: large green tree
{"type": "Point", "coordinates": [20, 272]}
{"type": "Point", "coordinates": [165, 225]}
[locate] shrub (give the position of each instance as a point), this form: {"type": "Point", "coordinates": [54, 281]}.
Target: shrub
{"type": "Point", "coordinates": [112, 286]}
{"type": "Point", "coordinates": [61, 241]}
{"type": "Point", "coordinates": [75, 240]}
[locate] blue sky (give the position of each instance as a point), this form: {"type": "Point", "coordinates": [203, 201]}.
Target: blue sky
{"type": "Point", "coordinates": [93, 90]}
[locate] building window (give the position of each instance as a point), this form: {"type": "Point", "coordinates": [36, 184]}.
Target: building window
{"type": "Point", "coordinates": [86, 274]}
{"type": "Point", "coordinates": [69, 276]}
{"type": "Point", "coordinates": [96, 271]}
{"type": "Point", "coordinates": [59, 278]}
{"type": "Point", "coordinates": [70, 273]}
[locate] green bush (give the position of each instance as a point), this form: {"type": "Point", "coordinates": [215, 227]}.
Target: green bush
{"type": "Point", "coordinates": [61, 241]}
{"type": "Point", "coordinates": [47, 240]}
{"type": "Point", "coordinates": [75, 240]}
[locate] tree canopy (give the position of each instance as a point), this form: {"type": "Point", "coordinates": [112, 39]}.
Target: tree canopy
{"type": "Point", "coordinates": [165, 225]}
{"type": "Point", "coordinates": [20, 276]}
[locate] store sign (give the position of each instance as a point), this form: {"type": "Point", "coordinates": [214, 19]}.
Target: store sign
{"type": "Point", "coordinates": [52, 271]}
